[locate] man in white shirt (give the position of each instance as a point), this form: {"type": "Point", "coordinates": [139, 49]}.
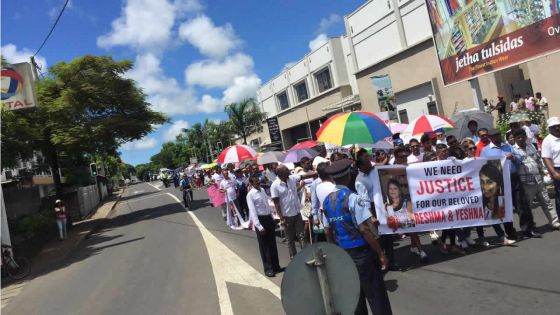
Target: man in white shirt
{"type": "Point", "coordinates": [416, 155]}
{"type": "Point", "coordinates": [541, 103]}
{"type": "Point", "coordinates": [320, 189]}
{"type": "Point", "coordinates": [229, 186]}
{"type": "Point", "coordinates": [551, 155]}
{"type": "Point", "coordinates": [285, 196]}
{"type": "Point", "coordinates": [364, 187]}
{"type": "Point", "coordinates": [260, 214]}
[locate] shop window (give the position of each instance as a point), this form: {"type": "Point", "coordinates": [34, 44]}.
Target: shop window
{"type": "Point", "coordinates": [283, 100]}
{"type": "Point", "coordinates": [403, 116]}
{"type": "Point", "coordinates": [301, 91]}
{"type": "Point", "coordinates": [432, 108]}
{"type": "Point", "coordinates": [323, 78]}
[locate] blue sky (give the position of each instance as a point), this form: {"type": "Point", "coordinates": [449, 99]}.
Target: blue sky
{"type": "Point", "coordinates": [191, 56]}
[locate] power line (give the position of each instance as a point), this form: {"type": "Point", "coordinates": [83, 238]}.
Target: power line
{"type": "Point", "coordinates": [52, 28]}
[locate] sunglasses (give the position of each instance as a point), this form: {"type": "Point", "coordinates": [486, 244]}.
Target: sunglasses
{"type": "Point", "coordinates": [472, 148]}
{"type": "Point", "coordinates": [417, 146]}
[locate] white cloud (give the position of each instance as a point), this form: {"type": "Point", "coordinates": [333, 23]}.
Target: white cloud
{"type": "Point", "coordinates": [318, 41]}
{"type": "Point", "coordinates": [211, 40]}
{"type": "Point", "coordinates": [146, 24]}
{"type": "Point", "coordinates": [141, 144]}
{"type": "Point", "coordinates": [175, 130]}
{"type": "Point", "coordinates": [13, 55]}
{"type": "Point", "coordinates": [328, 22]}
{"type": "Point", "coordinates": [209, 104]}
{"type": "Point", "coordinates": [243, 87]}
{"type": "Point", "coordinates": [212, 74]}
{"type": "Point", "coordinates": [165, 93]}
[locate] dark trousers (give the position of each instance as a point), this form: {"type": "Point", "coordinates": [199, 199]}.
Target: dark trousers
{"type": "Point", "coordinates": [267, 244]}
{"type": "Point", "coordinates": [521, 207]}
{"type": "Point", "coordinates": [294, 229]}
{"type": "Point", "coordinates": [190, 192]}
{"type": "Point", "coordinates": [372, 285]}
{"type": "Point", "coordinates": [386, 242]}
{"type": "Point", "coordinates": [557, 193]}
{"type": "Point", "coordinates": [243, 208]}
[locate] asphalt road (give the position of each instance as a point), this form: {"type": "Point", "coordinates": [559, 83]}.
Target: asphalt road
{"type": "Point", "coordinates": [153, 257]}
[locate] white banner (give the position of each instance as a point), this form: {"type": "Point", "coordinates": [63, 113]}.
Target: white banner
{"type": "Point", "coordinates": [18, 86]}
{"type": "Point", "coordinates": [442, 195]}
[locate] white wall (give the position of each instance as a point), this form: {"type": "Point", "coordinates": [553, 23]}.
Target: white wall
{"type": "Point", "coordinates": [332, 54]}
{"type": "Point", "coordinates": [374, 29]}
{"type": "Point", "coordinates": [414, 100]}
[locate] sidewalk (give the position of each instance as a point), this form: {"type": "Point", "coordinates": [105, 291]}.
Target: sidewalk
{"type": "Point", "coordinates": [55, 252]}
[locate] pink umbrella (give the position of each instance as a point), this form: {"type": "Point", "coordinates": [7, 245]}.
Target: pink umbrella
{"type": "Point", "coordinates": [237, 153]}
{"type": "Point", "coordinates": [397, 127]}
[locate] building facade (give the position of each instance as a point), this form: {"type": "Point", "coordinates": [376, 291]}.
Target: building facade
{"type": "Point", "coordinates": [394, 38]}
{"type": "Point", "coordinates": [390, 40]}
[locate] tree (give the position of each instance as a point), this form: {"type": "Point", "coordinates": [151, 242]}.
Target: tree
{"type": "Point", "coordinates": [245, 118]}
{"type": "Point", "coordinates": [88, 106]}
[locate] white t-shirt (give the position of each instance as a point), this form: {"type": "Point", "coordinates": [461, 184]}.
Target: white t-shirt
{"type": "Point", "coordinates": [287, 194]}
{"type": "Point", "coordinates": [323, 190]}
{"type": "Point", "coordinates": [415, 159]}
{"type": "Point", "coordinates": [230, 186]}
{"type": "Point", "coordinates": [542, 102]}
{"type": "Point", "coordinates": [551, 149]}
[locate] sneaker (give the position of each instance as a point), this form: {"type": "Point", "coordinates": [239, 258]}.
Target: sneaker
{"type": "Point", "coordinates": [464, 244]}
{"type": "Point", "coordinates": [469, 241]}
{"type": "Point", "coordinates": [423, 256]}
{"type": "Point", "coordinates": [482, 242]}
{"type": "Point", "coordinates": [434, 235]}
{"type": "Point", "coordinates": [556, 226]}
{"type": "Point", "coordinates": [508, 242]}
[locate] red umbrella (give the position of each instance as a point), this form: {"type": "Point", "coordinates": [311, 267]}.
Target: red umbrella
{"type": "Point", "coordinates": [305, 145]}
{"type": "Point", "coordinates": [237, 153]}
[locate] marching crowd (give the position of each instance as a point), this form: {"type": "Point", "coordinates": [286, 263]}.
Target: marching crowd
{"type": "Point", "coordinates": [320, 199]}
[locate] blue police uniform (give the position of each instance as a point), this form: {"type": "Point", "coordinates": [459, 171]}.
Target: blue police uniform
{"type": "Point", "coordinates": [185, 187]}
{"type": "Point", "coordinates": [344, 212]}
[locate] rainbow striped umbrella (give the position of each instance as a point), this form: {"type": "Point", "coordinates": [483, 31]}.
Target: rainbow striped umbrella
{"type": "Point", "coordinates": [353, 128]}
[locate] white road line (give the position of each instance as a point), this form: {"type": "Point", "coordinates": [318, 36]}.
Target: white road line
{"type": "Point", "coordinates": [154, 186]}
{"type": "Point", "coordinates": [227, 266]}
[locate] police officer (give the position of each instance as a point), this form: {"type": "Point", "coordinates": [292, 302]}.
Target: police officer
{"type": "Point", "coordinates": [345, 217]}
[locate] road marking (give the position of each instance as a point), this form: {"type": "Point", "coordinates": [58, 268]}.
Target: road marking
{"type": "Point", "coordinates": [138, 191]}
{"type": "Point", "coordinates": [227, 266]}
{"type": "Point", "coordinates": [154, 186]}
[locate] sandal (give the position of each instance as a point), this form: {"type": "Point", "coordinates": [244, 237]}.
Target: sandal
{"type": "Point", "coordinates": [443, 249]}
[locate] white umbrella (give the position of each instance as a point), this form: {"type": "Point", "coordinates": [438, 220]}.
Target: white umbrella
{"type": "Point", "coordinates": [271, 157]}
{"type": "Point", "coordinates": [461, 120]}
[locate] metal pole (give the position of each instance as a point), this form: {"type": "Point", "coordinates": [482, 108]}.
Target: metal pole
{"type": "Point", "coordinates": [308, 124]}
{"type": "Point", "coordinates": [319, 263]}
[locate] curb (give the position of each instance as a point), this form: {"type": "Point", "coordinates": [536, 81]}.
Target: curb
{"type": "Point", "coordinates": [96, 227]}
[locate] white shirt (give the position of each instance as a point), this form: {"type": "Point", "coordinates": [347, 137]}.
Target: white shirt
{"type": "Point", "coordinates": [323, 190]}
{"type": "Point", "coordinates": [217, 178]}
{"type": "Point", "coordinates": [364, 184]}
{"type": "Point", "coordinates": [230, 186]}
{"type": "Point", "coordinates": [415, 158]}
{"type": "Point", "coordinates": [551, 149]}
{"type": "Point", "coordinates": [257, 201]}
{"type": "Point", "coordinates": [542, 102]}
{"type": "Point", "coordinates": [287, 194]}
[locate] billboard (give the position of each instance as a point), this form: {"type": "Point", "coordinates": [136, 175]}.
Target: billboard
{"type": "Point", "coordinates": [274, 130]}
{"type": "Point", "coordinates": [476, 37]}
{"type": "Point", "coordinates": [18, 87]}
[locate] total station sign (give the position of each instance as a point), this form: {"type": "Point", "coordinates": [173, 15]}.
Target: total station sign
{"type": "Point", "coordinates": [18, 87]}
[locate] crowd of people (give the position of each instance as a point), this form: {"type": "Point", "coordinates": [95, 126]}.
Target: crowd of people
{"type": "Point", "coordinates": [331, 199]}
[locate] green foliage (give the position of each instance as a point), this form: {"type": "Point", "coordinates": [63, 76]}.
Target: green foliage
{"type": "Point", "coordinates": [536, 117]}
{"type": "Point", "coordinates": [245, 117]}
{"type": "Point", "coordinates": [18, 135]}
{"type": "Point", "coordinates": [36, 225]}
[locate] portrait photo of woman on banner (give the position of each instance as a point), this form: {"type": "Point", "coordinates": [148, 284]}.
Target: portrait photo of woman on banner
{"type": "Point", "coordinates": [492, 186]}
{"type": "Point", "coordinates": [398, 206]}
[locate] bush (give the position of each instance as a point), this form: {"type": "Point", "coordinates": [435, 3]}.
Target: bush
{"type": "Point", "coordinates": [36, 225]}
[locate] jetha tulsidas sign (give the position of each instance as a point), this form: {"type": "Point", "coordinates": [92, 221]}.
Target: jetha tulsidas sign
{"type": "Point", "coordinates": [18, 87]}
{"type": "Point", "coordinates": [475, 37]}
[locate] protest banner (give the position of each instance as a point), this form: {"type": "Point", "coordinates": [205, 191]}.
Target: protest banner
{"type": "Point", "coordinates": [442, 195]}
{"type": "Point", "coordinates": [217, 197]}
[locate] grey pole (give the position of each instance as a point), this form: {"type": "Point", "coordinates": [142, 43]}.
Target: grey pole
{"type": "Point", "coordinates": [319, 262]}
